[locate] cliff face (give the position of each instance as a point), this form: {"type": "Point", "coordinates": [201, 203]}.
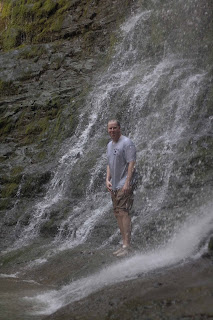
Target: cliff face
{"type": "Point", "coordinates": [65, 69]}
{"type": "Point", "coordinates": [50, 53]}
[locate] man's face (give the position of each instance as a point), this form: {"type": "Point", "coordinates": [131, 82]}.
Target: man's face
{"type": "Point", "coordinates": [114, 131]}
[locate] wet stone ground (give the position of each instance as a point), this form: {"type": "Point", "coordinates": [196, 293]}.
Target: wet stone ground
{"type": "Point", "coordinates": [182, 292]}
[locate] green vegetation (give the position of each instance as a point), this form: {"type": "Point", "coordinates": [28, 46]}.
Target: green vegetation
{"type": "Point", "coordinates": [9, 190]}
{"type": "Point", "coordinates": [30, 21]}
{"type": "Point", "coordinates": [32, 52]}
{"type": "Point", "coordinates": [16, 171]}
{"type": "Point", "coordinates": [7, 88]}
{"type": "Point", "coordinates": [10, 184]}
{"type": "Point", "coordinates": [42, 125]}
{"type": "Point", "coordinates": [5, 126]}
{"type": "Point", "coordinates": [37, 126]}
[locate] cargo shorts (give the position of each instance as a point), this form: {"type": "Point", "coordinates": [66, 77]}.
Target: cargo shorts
{"type": "Point", "coordinates": [122, 202]}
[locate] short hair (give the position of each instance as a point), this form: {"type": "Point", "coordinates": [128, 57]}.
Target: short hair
{"type": "Point", "coordinates": [114, 120]}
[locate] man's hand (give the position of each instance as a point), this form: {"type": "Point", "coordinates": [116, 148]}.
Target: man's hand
{"type": "Point", "coordinates": [109, 185]}
{"type": "Point", "coordinates": [126, 188]}
{"type": "Point", "coordinates": [108, 178]}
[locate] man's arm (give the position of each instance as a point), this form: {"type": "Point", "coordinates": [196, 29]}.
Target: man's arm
{"type": "Point", "coordinates": [108, 178]}
{"type": "Point", "coordinates": [131, 167]}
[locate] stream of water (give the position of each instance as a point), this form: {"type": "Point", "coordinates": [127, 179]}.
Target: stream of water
{"type": "Point", "coordinates": [157, 98]}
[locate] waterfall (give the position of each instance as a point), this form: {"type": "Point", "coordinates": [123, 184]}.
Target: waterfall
{"type": "Point", "coordinates": [157, 97]}
{"type": "Point", "coordinates": [157, 88]}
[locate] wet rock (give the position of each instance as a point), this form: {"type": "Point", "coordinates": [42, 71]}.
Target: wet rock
{"type": "Point", "coordinates": [43, 86]}
{"type": "Point", "coordinates": [210, 245]}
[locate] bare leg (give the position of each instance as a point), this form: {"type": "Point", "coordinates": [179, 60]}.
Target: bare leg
{"type": "Point", "coordinates": [120, 225]}
{"type": "Point", "coordinates": [126, 229]}
{"type": "Point", "coordinates": [124, 223]}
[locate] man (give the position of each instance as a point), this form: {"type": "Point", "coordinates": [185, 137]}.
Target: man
{"type": "Point", "coordinates": [121, 156]}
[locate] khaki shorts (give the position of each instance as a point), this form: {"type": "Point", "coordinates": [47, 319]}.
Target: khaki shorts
{"type": "Point", "coordinates": [121, 201]}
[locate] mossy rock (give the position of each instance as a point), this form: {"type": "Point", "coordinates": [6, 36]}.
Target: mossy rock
{"type": "Point", "coordinates": [34, 184]}
{"type": "Point", "coordinates": [5, 204]}
{"type": "Point", "coordinates": [9, 190]}
{"type": "Point", "coordinates": [17, 170]}
{"type": "Point", "coordinates": [7, 88]}
{"type": "Point", "coordinates": [37, 126]}
{"type": "Point", "coordinates": [13, 38]}
{"type": "Point", "coordinates": [28, 21]}
{"type": "Point", "coordinates": [6, 126]}
{"type": "Point", "coordinates": [33, 51]}
{"type": "Point", "coordinates": [210, 245]}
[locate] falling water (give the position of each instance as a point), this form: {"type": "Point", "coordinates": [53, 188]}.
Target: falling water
{"type": "Point", "coordinates": [157, 98]}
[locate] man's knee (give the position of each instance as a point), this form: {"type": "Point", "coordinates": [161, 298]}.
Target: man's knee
{"type": "Point", "coordinates": [121, 213]}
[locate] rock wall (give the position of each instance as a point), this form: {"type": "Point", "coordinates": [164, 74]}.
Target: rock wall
{"type": "Point", "coordinates": [50, 53]}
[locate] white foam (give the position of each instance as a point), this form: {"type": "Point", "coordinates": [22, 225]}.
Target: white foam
{"type": "Point", "coordinates": [131, 23]}
{"type": "Point", "coordinates": [13, 275]}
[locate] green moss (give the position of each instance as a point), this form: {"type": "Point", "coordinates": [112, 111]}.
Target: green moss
{"type": "Point", "coordinates": [11, 38]}
{"type": "Point", "coordinates": [36, 7]}
{"type": "Point", "coordinates": [6, 9]}
{"type": "Point", "coordinates": [31, 126]}
{"type": "Point", "coordinates": [51, 121]}
{"type": "Point", "coordinates": [58, 125]}
{"type": "Point", "coordinates": [17, 170]}
{"type": "Point", "coordinates": [28, 21]}
{"type": "Point", "coordinates": [37, 127]}
{"type": "Point", "coordinates": [5, 203]}
{"type": "Point", "coordinates": [7, 88]}
{"type": "Point", "coordinates": [53, 107]}
{"type": "Point", "coordinates": [2, 158]}
{"type": "Point", "coordinates": [5, 126]}
{"type": "Point", "coordinates": [57, 24]}
{"type": "Point", "coordinates": [33, 52]}
{"type": "Point", "coordinates": [28, 187]}
{"type": "Point", "coordinates": [35, 130]}
{"type": "Point", "coordinates": [9, 190]}
{"type": "Point", "coordinates": [50, 6]}
{"type": "Point", "coordinates": [65, 121]}
{"type": "Point", "coordinates": [42, 155]}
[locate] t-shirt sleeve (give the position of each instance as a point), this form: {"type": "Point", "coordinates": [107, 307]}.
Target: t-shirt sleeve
{"type": "Point", "coordinates": [130, 152]}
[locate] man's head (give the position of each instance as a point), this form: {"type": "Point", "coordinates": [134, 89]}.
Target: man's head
{"type": "Point", "coordinates": [114, 130]}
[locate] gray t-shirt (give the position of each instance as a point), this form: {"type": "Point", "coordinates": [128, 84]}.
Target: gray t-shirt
{"type": "Point", "coordinates": [119, 154]}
